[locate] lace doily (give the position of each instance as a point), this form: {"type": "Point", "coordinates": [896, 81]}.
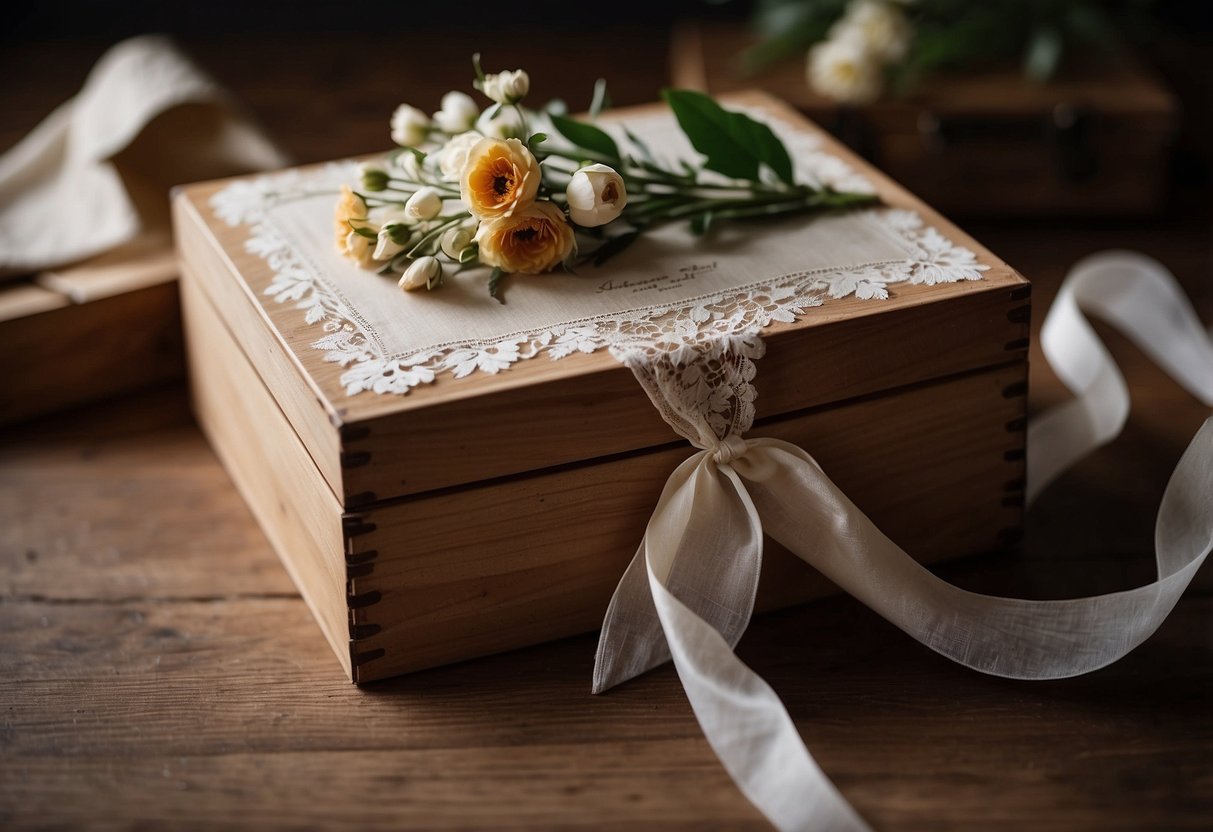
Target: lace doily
{"type": "Point", "coordinates": [347, 338]}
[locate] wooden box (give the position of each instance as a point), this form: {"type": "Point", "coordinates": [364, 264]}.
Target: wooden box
{"type": "Point", "coordinates": [106, 326]}
{"type": "Point", "coordinates": [1094, 141]}
{"type": "Point", "coordinates": [481, 514]}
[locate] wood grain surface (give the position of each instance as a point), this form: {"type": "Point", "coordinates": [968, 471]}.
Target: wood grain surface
{"type": "Point", "coordinates": [136, 593]}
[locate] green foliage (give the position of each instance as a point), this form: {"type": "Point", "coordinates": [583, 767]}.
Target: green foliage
{"type": "Point", "coordinates": [735, 144]}
{"type": "Point", "coordinates": [587, 137]}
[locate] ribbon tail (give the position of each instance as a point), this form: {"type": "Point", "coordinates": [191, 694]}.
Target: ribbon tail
{"type": "Point", "coordinates": [1011, 637]}
{"type": "Point", "coordinates": [740, 715]}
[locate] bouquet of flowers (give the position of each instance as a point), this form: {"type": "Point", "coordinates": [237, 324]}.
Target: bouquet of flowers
{"type": "Point", "coordinates": [519, 191]}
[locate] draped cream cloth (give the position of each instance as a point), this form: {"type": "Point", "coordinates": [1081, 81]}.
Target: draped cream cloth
{"type": "Point", "coordinates": [96, 172]}
{"type": "Point", "coordinates": [689, 592]}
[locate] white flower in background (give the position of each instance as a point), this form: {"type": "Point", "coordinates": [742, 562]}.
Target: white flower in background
{"type": "Point", "coordinates": [459, 112]}
{"type": "Point", "coordinates": [424, 204]}
{"type": "Point", "coordinates": [596, 195]}
{"type": "Point", "coordinates": [842, 69]}
{"type": "Point", "coordinates": [455, 240]}
{"type": "Point", "coordinates": [454, 155]}
{"type": "Point", "coordinates": [410, 126]}
{"type": "Point", "coordinates": [507, 87]}
{"type": "Point", "coordinates": [422, 273]}
{"type": "Point", "coordinates": [880, 27]}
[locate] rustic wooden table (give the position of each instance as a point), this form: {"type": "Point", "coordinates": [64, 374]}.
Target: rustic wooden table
{"type": "Point", "coordinates": [157, 667]}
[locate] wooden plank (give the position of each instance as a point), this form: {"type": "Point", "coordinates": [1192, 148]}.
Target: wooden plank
{"type": "Point", "coordinates": [94, 510]}
{"type": "Point", "coordinates": [589, 404]}
{"type": "Point", "coordinates": [529, 559]}
{"type": "Point", "coordinates": [269, 466]}
{"type": "Point", "coordinates": [148, 261]}
{"type": "Point", "coordinates": [147, 714]}
{"type": "Point", "coordinates": [19, 300]}
{"type": "Point", "coordinates": [86, 352]}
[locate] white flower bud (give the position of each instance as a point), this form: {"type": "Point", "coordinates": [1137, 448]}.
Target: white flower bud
{"type": "Point", "coordinates": [844, 70]}
{"type": "Point", "coordinates": [410, 126]}
{"type": "Point", "coordinates": [507, 87]}
{"type": "Point", "coordinates": [422, 273]}
{"type": "Point", "coordinates": [596, 195]}
{"type": "Point", "coordinates": [459, 112]}
{"type": "Point", "coordinates": [390, 243]}
{"type": "Point", "coordinates": [455, 240]}
{"type": "Point", "coordinates": [454, 155]}
{"type": "Point", "coordinates": [425, 204]}
{"type": "Point", "coordinates": [880, 28]}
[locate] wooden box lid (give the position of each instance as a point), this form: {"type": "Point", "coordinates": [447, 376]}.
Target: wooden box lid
{"type": "Point", "coordinates": [540, 413]}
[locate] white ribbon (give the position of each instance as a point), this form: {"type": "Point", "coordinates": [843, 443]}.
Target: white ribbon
{"type": "Point", "coordinates": [689, 592]}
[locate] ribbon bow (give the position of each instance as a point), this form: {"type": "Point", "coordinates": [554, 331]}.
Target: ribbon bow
{"type": "Point", "coordinates": [689, 592]}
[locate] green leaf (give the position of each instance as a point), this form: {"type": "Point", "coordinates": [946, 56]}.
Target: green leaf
{"type": "Point", "coordinates": [364, 231]}
{"type": "Point", "coordinates": [702, 223]}
{"type": "Point", "coordinates": [587, 137]}
{"type": "Point", "coordinates": [735, 144]}
{"type": "Point", "coordinates": [536, 139]}
{"type": "Point", "coordinates": [495, 285]}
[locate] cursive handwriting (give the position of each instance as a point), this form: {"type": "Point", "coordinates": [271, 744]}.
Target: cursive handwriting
{"type": "Point", "coordinates": [662, 283]}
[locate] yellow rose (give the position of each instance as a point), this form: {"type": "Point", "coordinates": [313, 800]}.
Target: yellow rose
{"type": "Point", "coordinates": [531, 242]}
{"type": "Point", "coordinates": [349, 207]}
{"type": "Point", "coordinates": [500, 178]}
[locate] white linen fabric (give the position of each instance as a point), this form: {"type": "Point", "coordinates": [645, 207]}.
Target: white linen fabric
{"type": "Point", "coordinates": [67, 191]}
{"type": "Point", "coordinates": [689, 592]}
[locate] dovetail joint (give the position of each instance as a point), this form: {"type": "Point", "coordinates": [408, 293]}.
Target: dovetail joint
{"type": "Point", "coordinates": [365, 599]}
{"type": "Point", "coordinates": [1015, 390]}
{"type": "Point", "coordinates": [355, 459]}
{"type": "Point", "coordinates": [356, 558]}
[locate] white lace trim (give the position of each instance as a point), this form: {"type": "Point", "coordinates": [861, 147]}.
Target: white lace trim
{"type": "Point", "coordinates": [735, 312]}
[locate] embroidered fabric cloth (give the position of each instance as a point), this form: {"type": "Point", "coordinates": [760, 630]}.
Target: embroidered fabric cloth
{"type": "Point", "coordinates": [667, 289]}
{"type": "Point", "coordinates": [96, 172]}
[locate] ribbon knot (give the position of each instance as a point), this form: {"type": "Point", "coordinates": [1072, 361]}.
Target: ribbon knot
{"type": "Point", "coordinates": [730, 448]}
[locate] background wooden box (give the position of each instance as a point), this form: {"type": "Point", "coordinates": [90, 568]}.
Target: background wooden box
{"type": "Point", "coordinates": [82, 333]}
{"type": "Point", "coordinates": [1094, 141]}
{"type": "Point", "coordinates": [417, 537]}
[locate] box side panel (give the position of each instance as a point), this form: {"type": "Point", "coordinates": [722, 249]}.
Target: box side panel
{"type": "Point", "coordinates": [269, 466]}
{"type": "Point", "coordinates": [294, 395]}
{"type": "Point", "coordinates": [938, 466]}
{"type": "Point", "coordinates": [101, 348]}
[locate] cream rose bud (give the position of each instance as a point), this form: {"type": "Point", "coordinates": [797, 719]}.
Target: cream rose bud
{"type": "Point", "coordinates": [455, 240]}
{"type": "Point", "coordinates": [410, 126]}
{"type": "Point", "coordinates": [454, 155]}
{"type": "Point", "coordinates": [425, 204]}
{"type": "Point", "coordinates": [422, 273]}
{"type": "Point", "coordinates": [459, 113]}
{"type": "Point", "coordinates": [844, 70]}
{"type": "Point", "coordinates": [596, 195]}
{"type": "Point", "coordinates": [507, 87]}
